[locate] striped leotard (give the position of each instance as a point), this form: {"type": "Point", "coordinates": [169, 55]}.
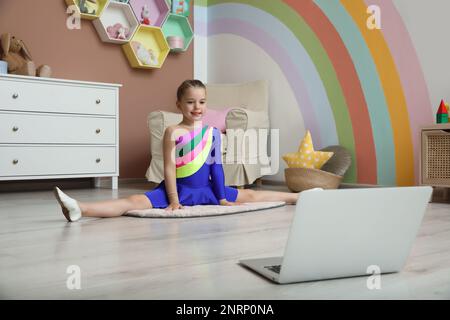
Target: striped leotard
{"type": "Point", "coordinates": [199, 172]}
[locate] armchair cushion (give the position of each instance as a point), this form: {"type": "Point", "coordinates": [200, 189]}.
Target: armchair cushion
{"type": "Point", "coordinates": [216, 118]}
{"type": "Point", "coordinates": [157, 122]}
{"type": "Point", "coordinates": [240, 118]}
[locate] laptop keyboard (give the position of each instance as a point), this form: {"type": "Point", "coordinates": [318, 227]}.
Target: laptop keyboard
{"type": "Point", "coordinates": [275, 269]}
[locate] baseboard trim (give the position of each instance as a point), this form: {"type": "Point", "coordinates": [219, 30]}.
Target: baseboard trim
{"type": "Point", "coordinates": [343, 185]}
{"type": "Point", "coordinates": [68, 183]}
{"type": "Point", "coordinates": [45, 184]}
{"type": "Point", "coordinates": [358, 185]}
{"type": "Point", "coordinates": [105, 182]}
{"type": "Point", "coordinates": [272, 182]}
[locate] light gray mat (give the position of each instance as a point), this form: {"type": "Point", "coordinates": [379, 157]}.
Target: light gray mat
{"type": "Point", "coordinates": [204, 210]}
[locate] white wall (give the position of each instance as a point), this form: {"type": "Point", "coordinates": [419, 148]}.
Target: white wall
{"type": "Point", "coordinates": [200, 44]}
{"type": "Point", "coordinates": [284, 113]}
{"type": "Point", "coordinates": [428, 24]}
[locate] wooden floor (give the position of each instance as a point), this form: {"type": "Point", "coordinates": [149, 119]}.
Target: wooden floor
{"type": "Point", "coordinates": [196, 258]}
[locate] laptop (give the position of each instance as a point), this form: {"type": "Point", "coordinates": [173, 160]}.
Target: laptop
{"type": "Point", "coordinates": [347, 232]}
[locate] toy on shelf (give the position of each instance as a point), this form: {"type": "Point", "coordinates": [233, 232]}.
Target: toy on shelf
{"type": "Point", "coordinates": [136, 50]}
{"type": "Point", "coordinates": [118, 31]}
{"type": "Point", "coordinates": [181, 7]}
{"type": "Point", "coordinates": [145, 15]}
{"type": "Point", "coordinates": [19, 59]}
{"type": "Point", "coordinates": [150, 12]}
{"type": "Point", "coordinates": [146, 57]}
{"type": "Point", "coordinates": [122, 33]}
{"type": "Point", "coordinates": [442, 113]}
{"type": "Point", "coordinates": [89, 9]}
{"type": "Point", "coordinates": [117, 23]}
{"type": "Point", "coordinates": [88, 6]}
{"type": "Point", "coordinates": [175, 43]}
{"type": "Point", "coordinates": [178, 32]}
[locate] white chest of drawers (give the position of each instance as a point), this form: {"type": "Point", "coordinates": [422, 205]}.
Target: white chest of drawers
{"type": "Point", "coordinates": [53, 128]}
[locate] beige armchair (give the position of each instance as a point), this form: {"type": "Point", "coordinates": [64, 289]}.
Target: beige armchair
{"type": "Point", "coordinates": [243, 159]}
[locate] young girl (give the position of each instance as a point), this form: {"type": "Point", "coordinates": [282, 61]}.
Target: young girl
{"type": "Point", "coordinates": [193, 172]}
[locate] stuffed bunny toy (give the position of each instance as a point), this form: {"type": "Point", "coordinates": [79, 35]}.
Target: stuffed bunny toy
{"type": "Point", "coordinates": [19, 60]}
{"type": "Point", "coordinates": [145, 14]}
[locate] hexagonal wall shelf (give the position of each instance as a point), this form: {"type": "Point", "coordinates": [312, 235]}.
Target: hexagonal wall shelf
{"type": "Point", "coordinates": [158, 11]}
{"type": "Point", "coordinates": [117, 23]}
{"type": "Point", "coordinates": [86, 8]}
{"type": "Point", "coordinates": [177, 26]}
{"type": "Point", "coordinates": [147, 49]}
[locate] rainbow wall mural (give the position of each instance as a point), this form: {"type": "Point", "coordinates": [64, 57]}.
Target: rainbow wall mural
{"type": "Point", "coordinates": [362, 88]}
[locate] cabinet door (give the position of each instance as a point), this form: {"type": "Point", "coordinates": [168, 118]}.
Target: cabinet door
{"type": "Point", "coordinates": [43, 128]}
{"type": "Point", "coordinates": [27, 95]}
{"type": "Point", "coordinates": [56, 160]}
{"type": "Point", "coordinates": [435, 161]}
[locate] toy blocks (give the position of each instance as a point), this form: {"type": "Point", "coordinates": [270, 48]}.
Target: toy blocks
{"type": "Point", "coordinates": [442, 113]}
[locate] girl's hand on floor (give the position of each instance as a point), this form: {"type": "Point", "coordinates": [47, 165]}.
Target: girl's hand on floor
{"type": "Point", "coordinates": [174, 206]}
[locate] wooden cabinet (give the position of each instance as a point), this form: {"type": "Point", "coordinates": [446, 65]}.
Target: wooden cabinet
{"type": "Point", "coordinates": [52, 128]}
{"type": "Point", "coordinates": [435, 159]}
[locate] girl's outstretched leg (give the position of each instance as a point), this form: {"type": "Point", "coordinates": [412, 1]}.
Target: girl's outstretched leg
{"type": "Point", "coordinates": [249, 195]}
{"type": "Point", "coordinates": [73, 210]}
{"type": "Point", "coordinates": [115, 208]}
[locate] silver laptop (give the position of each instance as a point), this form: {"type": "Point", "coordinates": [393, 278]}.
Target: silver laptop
{"type": "Point", "coordinates": [347, 232]}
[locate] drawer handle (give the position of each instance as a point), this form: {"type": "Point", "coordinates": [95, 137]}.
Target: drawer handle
{"type": "Point", "coordinates": [98, 160]}
{"type": "Point", "coordinates": [15, 95]}
{"type": "Point", "coordinates": [15, 161]}
{"type": "Point", "coordinates": [97, 131]}
{"type": "Point", "coordinates": [15, 128]}
{"type": "Point", "coordinates": [98, 101]}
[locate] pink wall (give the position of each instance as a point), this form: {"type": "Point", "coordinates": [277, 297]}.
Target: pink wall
{"type": "Point", "coordinates": [80, 55]}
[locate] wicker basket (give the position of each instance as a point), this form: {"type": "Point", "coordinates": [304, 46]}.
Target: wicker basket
{"type": "Point", "coordinates": [339, 162]}
{"type": "Point", "coordinates": [299, 179]}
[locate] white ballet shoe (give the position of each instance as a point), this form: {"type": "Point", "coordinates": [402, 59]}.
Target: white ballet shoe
{"type": "Point", "coordinates": [69, 206]}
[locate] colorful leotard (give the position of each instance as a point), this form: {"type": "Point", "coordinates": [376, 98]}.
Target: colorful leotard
{"type": "Point", "coordinates": [199, 172]}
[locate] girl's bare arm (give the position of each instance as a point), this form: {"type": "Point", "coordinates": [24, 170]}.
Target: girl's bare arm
{"type": "Point", "coordinates": [169, 166]}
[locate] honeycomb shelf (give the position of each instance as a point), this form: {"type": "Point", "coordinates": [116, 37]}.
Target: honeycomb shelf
{"type": "Point", "coordinates": [101, 5]}
{"type": "Point", "coordinates": [144, 40]}
{"type": "Point", "coordinates": [114, 13]}
{"type": "Point", "coordinates": [159, 9]}
{"type": "Point", "coordinates": [177, 25]}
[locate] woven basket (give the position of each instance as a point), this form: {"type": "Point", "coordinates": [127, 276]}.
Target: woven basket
{"type": "Point", "coordinates": [299, 179]}
{"type": "Point", "coordinates": [339, 162]}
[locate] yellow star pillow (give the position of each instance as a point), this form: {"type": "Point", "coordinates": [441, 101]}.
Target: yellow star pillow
{"type": "Point", "coordinates": [306, 157]}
